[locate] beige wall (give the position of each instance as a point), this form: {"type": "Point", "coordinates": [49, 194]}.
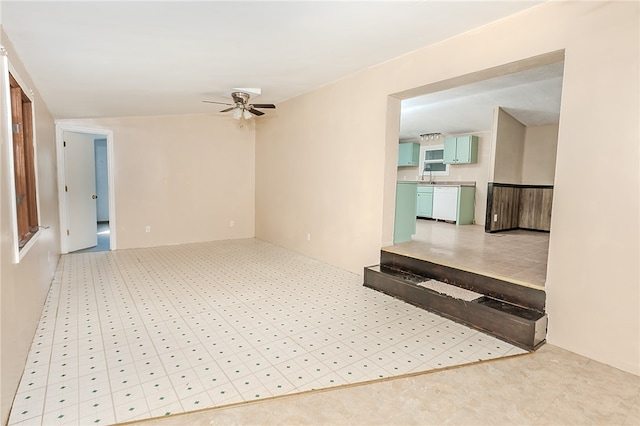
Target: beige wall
{"type": "Point", "coordinates": [539, 159]}
{"type": "Point", "coordinates": [320, 172]}
{"type": "Point", "coordinates": [24, 285]}
{"type": "Point", "coordinates": [187, 177]}
{"type": "Point", "coordinates": [508, 148]}
{"type": "Point", "coordinates": [326, 164]}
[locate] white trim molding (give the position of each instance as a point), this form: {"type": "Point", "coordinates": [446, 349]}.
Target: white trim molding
{"type": "Point", "coordinates": [62, 202]}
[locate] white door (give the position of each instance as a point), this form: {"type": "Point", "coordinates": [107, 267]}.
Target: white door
{"type": "Point", "coordinates": [80, 190]}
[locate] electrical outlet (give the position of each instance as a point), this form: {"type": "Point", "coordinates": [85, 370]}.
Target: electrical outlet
{"type": "Point", "coordinates": [147, 229]}
{"type": "Point", "coordinates": [308, 237]}
{"type": "Point", "coordinates": [495, 217]}
{"type": "Point", "coordinates": [232, 224]}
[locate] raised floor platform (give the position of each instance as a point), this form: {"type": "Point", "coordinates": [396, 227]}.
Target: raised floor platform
{"type": "Point", "coordinates": [518, 256]}
{"type": "Point", "coordinates": [478, 306]}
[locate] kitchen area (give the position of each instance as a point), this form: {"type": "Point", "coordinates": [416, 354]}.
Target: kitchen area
{"type": "Point", "coordinates": [473, 213]}
{"type": "Point", "coordinates": [481, 154]}
{"type": "Point", "coordinates": [473, 202]}
{"type": "Point", "coordinates": [481, 201]}
{"type": "Point", "coordinates": [425, 189]}
{"type": "Point", "coordinates": [500, 180]}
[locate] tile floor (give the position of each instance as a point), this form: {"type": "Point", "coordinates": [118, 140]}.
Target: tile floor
{"type": "Point", "coordinates": [518, 256]}
{"type": "Point", "coordinates": [551, 386]}
{"type": "Point", "coordinates": [134, 334]}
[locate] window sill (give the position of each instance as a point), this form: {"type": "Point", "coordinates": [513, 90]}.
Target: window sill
{"type": "Point", "coordinates": [22, 252]}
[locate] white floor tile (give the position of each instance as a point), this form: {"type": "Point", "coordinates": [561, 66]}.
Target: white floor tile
{"type": "Point", "coordinates": [28, 405]}
{"type": "Point", "coordinates": [160, 331]}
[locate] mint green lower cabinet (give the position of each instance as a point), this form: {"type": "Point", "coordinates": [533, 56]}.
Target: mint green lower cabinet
{"type": "Point", "coordinates": [405, 221]}
{"type": "Point", "coordinates": [425, 201]}
{"type": "Point", "coordinates": [466, 205]}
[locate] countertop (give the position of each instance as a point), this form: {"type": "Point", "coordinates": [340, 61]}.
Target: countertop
{"type": "Point", "coordinates": [439, 183]}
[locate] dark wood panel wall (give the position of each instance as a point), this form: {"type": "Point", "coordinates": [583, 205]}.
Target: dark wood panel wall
{"type": "Point", "coordinates": [511, 206]}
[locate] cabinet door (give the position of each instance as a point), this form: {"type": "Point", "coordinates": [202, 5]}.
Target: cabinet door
{"type": "Point", "coordinates": [466, 149]}
{"type": "Point", "coordinates": [461, 150]}
{"type": "Point", "coordinates": [408, 154]}
{"type": "Point", "coordinates": [425, 204]}
{"type": "Point", "coordinates": [450, 154]}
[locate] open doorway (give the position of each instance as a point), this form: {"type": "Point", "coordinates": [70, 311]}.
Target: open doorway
{"type": "Point", "coordinates": [513, 115]}
{"type": "Point", "coordinates": [103, 230]}
{"type": "Point", "coordinates": [85, 179]}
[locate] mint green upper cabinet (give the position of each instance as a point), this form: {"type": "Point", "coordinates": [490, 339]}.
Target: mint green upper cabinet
{"type": "Point", "coordinates": [450, 150]}
{"type": "Point", "coordinates": [461, 150]}
{"type": "Point", "coordinates": [408, 154]}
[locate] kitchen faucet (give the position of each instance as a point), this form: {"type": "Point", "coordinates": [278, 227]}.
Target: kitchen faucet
{"type": "Point", "coordinates": [426, 167]}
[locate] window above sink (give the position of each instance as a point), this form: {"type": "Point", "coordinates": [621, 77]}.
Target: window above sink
{"type": "Point", "coordinates": [432, 161]}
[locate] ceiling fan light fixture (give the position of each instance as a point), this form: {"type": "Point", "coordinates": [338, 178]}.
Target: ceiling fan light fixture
{"type": "Point", "coordinates": [430, 136]}
{"type": "Point", "coordinates": [241, 107]}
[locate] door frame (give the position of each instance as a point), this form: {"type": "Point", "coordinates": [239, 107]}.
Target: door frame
{"type": "Point", "coordinates": [62, 199]}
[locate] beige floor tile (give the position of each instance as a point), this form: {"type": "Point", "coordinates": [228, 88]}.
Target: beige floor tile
{"type": "Point", "coordinates": [518, 256]}
{"type": "Point", "coordinates": [633, 418]}
{"type": "Point", "coordinates": [550, 386]}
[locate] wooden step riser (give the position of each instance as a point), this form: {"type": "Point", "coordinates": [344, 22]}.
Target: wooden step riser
{"type": "Point", "coordinates": [526, 333]}
{"type": "Point", "coordinates": [527, 297]}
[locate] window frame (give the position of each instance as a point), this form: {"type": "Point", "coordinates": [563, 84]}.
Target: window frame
{"type": "Point", "coordinates": [10, 80]}
{"type": "Point", "coordinates": [424, 161]}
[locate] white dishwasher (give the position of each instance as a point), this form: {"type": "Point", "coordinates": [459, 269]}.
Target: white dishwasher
{"type": "Point", "coordinates": [445, 202]}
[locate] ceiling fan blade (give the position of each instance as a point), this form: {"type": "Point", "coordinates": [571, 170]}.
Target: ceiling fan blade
{"type": "Point", "coordinates": [214, 102]}
{"type": "Point", "coordinates": [228, 109]}
{"type": "Point", "coordinates": [263, 105]}
{"type": "Point", "coordinates": [256, 112]}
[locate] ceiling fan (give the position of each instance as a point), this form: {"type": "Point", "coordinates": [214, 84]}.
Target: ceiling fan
{"type": "Point", "coordinates": [241, 106]}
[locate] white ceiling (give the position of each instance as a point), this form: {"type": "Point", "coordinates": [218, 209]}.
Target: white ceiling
{"type": "Point", "coordinates": [531, 96]}
{"type": "Point", "coordinates": [110, 59]}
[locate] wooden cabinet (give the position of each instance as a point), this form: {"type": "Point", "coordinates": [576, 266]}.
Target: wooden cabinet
{"type": "Point", "coordinates": [503, 204]}
{"type": "Point", "coordinates": [535, 208]}
{"type": "Point", "coordinates": [408, 154]}
{"type": "Point", "coordinates": [425, 201]}
{"type": "Point", "coordinates": [461, 150]}
{"type": "Point", "coordinates": [405, 221]}
{"type": "Point", "coordinates": [513, 206]}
